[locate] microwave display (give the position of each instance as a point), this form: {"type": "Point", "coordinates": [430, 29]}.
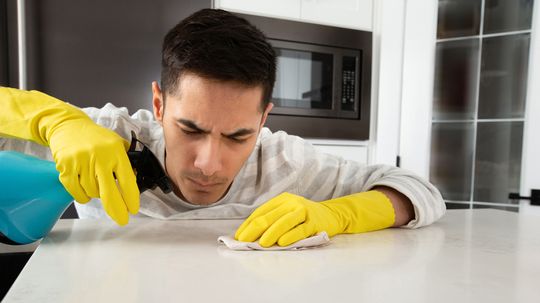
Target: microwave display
{"type": "Point", "coordinates": [348, 84]}
{"type": "Point", "coordinates": [316, 81]}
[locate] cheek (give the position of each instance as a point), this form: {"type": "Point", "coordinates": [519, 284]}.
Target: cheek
{"type": "Point", "coordinates": [240, 154]}
{"type": "Point", "coordinates": [178, 150]}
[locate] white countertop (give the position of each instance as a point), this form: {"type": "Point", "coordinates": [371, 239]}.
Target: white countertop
{"type": "Point", "coordinates": [468, 256]}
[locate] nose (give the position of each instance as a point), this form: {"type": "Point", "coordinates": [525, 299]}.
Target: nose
{"type": "Point", "coordinates": [208, 158]}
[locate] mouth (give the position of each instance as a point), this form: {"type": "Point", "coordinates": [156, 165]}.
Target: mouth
{"type": "Point", "coordinates": [203, 185]}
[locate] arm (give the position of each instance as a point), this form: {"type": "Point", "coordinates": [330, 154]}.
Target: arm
{"type": "Point", "coordinates": [382, 196]}
{"type": "Point", "coordinates": [403, 207]}
{"type": "Point", "coordinates": [89, 158]}
{"type": "Point", "coordinates": [327, 177]}
{"type": "Point", "coordinates": [288, 218]}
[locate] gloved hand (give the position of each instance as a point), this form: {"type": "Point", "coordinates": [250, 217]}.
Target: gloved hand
{"type": "Point", "coordinates": [91, 159]}
{"type": "Point", "coordinates": [288, 218]}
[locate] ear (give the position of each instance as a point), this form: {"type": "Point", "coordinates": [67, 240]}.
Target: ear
{"type": "Point", "coordinates": [157, 102]}
{"type": "Point", "coordinates": [266, 112]}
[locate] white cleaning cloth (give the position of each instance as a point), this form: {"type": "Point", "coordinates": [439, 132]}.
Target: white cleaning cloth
{"type": "Point", "coordinates": [321, 239]}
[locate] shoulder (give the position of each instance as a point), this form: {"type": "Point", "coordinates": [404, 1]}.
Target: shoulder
{"type": "Point", "coordinates": [292, 147]}
{"type": "Point", "coordinates": [280, 140]}
{"type": "Point", "coordinates": [119, 120]}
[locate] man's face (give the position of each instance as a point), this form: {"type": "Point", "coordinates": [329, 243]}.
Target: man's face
{"type": "Point", "coordinates": [210, 129]}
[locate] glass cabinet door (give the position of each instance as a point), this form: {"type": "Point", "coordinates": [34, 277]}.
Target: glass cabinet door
{"type": "Point", "coordinates": [498, 160]}
{"type": "Point", "coordinates": [458, 18]}
{"type": "Point", "coordinates": [503, 76]}
{"type": "Point", "coordinates": [452, 146]}
{"type": "Point", "coordinates": [507, 15]}
{"type": "Point", "coordinates": [480, 89]}
{"type": "Point", "coordinates": [456, 77]}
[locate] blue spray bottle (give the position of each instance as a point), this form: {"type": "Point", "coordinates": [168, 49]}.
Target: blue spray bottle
{"type": "Point", "coordinates": [32, 198]}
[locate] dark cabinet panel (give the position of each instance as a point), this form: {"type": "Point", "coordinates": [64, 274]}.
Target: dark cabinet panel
{"type": "Point", "coordinates": [11, 265]}
{"type": "Point", "coordinates": [93, 52]}
{"type": "Point", "coordinates": [456, 77]}
{"type": "Point", "coordinates": [503, 77]}
{"type": "Point", "coordinates": [8, 43]}
{"type": "Point", "coordinates": [452, 147]}
{"type": "Point", "coordinates": [507, 15]}
{"type": "Point", "coordinates": [3, 44]}
{"type": "Point", "coordinates": [458, 18]}
{"type": "Point", "coordinates": [498, 160]}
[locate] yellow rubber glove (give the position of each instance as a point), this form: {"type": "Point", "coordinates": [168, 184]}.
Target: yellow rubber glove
{"type": "Point", "coordinates": [288, 218]}
{"type": "Point", "coordinates": [91, 159]}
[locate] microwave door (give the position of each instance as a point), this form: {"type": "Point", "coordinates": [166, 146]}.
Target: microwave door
{"type": "Point", "coordinates": [305, 81]}
{"type": "Point", "coordinates": [316, 81]}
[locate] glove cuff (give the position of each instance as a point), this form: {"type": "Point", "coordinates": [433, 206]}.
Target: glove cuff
{"type": "Point", "coordinates": [363, 212]}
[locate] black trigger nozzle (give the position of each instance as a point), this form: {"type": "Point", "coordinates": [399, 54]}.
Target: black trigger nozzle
{"type": "Point", "coordinates": [147, 167]}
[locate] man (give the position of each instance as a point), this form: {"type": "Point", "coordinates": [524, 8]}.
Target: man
{"type": "Point", "coordinates": [207, 130]}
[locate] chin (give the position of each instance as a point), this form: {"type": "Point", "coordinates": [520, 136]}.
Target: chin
{"type": "Point", "coordinates": [198, 196]}
{"type": "Point", "coordinates": [202, 198]}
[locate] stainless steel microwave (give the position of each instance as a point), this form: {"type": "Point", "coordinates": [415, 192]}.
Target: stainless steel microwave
{"type": "Point", "coordinates": [323, 79]}
{"type": "Point", "coordinates": [316, 81]}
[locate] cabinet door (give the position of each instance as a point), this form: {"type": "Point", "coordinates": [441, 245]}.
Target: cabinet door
{"type": "Point", "coordinates": [469, 101]}
{"type": "Point", "coordinates": [285, 9]}
{"type": "Point", "coordinates": [355, 14]}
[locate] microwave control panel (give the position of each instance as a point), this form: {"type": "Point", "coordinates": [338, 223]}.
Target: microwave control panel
{"type": "Point", "coordinates": [348, 83]}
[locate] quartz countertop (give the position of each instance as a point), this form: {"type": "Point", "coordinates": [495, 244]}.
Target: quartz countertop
{"type": "Point", "coordinates": [467, 256]}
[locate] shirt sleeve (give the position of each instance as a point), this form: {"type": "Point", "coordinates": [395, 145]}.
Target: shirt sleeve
{"type": "Point", "coordinates": [114, 118]}
{"type": "Point", "coordinates": [109, 116]}
{"type": "Point", "coordinates": [322, 176]}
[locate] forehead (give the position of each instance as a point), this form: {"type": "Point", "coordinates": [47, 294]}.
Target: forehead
{"type": "Point", "coordinates": [207, 100]}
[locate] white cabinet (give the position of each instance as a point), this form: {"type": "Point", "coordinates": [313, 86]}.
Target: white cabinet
{"type": "Point", "coordinates": [355, 14]}
{"type": "Point", "coordinates": [284, 9]}
{"type": "Point", "coordinates": [350, 150]}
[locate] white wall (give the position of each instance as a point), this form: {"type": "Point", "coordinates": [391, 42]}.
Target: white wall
{"type": "Point", "coordinates": [388, 30]}
{"type": "Point", "coordinates": [417, 93]}
{"type": "Point", "coordinates": [405, 35]}
{"type": "Point", "coordinates": [530, 163]}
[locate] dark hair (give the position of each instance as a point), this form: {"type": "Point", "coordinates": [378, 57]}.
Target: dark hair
{"type": "Point", "coordinates": [216, 44]}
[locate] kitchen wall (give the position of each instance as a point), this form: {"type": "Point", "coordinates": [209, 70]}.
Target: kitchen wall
{"type": "Point", "coordinates": [93, 52]}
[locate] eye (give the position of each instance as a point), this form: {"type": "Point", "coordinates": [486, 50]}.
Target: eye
{"type": "Point", "coordinates": [237, 140]}
{"type": "Point", "coordinates": [190, 132]}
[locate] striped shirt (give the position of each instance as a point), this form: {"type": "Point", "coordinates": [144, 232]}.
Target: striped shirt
{"type": "Point", "coordinates": [279, 163]}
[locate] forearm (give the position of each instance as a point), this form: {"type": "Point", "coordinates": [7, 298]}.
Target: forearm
{"type": "Point", "coordinates": [31, 115]}
{"type": "Point", "coordinates": [403, 207]}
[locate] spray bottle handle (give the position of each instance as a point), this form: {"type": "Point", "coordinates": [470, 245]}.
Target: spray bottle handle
{"type": "Point", "coordinates": [147, 168]}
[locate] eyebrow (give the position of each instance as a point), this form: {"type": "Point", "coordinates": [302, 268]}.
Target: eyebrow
{"type": "Point", "coordinates": [237, 133]}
